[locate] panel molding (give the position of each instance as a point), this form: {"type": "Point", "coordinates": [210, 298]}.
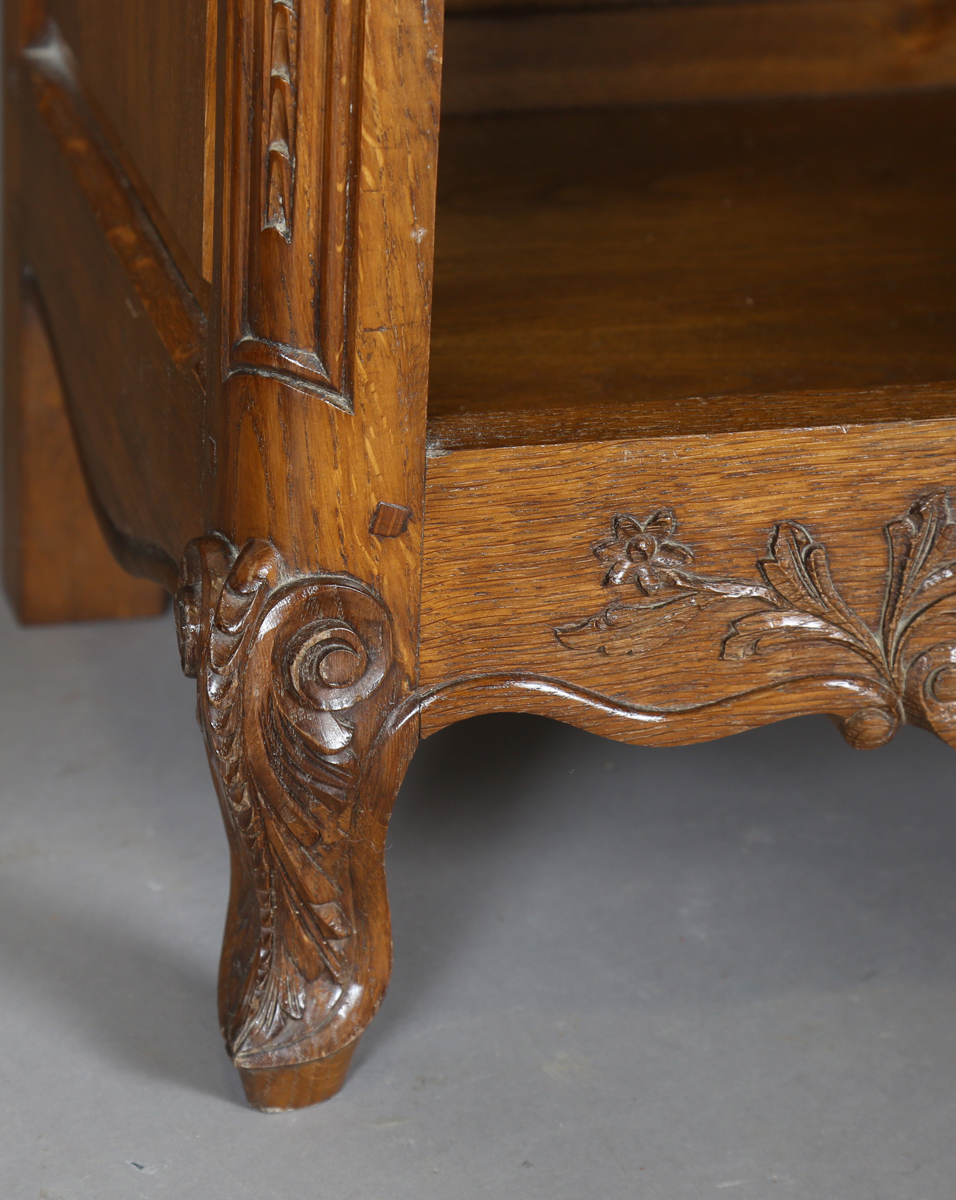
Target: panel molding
{"type": "Point", "coordinates": [290, 162]}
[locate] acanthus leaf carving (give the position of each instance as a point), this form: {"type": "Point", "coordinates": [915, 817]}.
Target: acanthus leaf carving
{"type": "Point", "coordinates": [801, 606]}
{"type": "Point", "coordinates": [288, 668]}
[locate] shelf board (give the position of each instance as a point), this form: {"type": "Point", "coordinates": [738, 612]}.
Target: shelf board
{"type": "Point", "coordinates": [694, 266]}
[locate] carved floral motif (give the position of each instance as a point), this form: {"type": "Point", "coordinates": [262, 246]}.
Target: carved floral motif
{"type": "Point", "coordinates": [801, 607]}
{"type": "Point", "coordinates": [285, 666]}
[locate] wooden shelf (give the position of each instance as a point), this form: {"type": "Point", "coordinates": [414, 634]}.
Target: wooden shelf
{"type": "Point", "coordinates": [678, 267]}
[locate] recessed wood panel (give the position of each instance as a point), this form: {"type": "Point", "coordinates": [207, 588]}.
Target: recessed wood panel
{"type": "Point", "coordinates": [648, 255]}
{"type": "Point", "coordinates": [136, 411]}
{"type": "Point", "coordinates": [144, 63]}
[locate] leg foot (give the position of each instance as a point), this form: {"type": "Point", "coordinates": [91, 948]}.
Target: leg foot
{"type": "Point", "coordinates": [279, 1089]}
{"type": "Point", "coordinates": [297, 700]}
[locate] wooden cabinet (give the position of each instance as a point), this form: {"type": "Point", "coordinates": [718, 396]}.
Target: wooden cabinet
{"type": "Point", "coordinates": [634, 406]}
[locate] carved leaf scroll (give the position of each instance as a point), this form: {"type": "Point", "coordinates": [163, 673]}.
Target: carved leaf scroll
{"type": "Point", "coordinates": [284, 667]}
{"type": "Point", "coordinates": [801, 606]}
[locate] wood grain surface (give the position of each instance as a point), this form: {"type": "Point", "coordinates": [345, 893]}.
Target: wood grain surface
{"type": "Point", "coordinates": [113, 198]}
{"type": "Point", "coordinates": [296, 468]}
{"type": "Point", "coordinates": [504, 56]}
{"type": "Point", "coordinates": [145, 63]}
{"type": "Point", "coordinates": [136, 410]}
{"type": "Point", "coordinates": [57, 563]}
{"type": "Point", "coordinates": [290, 181]}
{"type": "Point", "coordinates": [302, 453]}
{"type": "Point", "coordinates": [691, 423]}
{"type": "Point", "coordinates": [610, 421]}
{"type": "Point", "coordinates": [659, 253]}
{"type": "Point", "coordinates": [509, 559]}
{"type": "Point", "coordinates": [296, 683]}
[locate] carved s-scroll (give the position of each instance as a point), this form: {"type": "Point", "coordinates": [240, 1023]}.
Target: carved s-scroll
{"type": "Point", "coordinates": [290, 671]}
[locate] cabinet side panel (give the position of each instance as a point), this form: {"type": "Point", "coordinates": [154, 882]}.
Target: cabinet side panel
{"type": "Point", "coordinates": [136, 410]}
{"type": "Point", "coordinates": [145, 65]}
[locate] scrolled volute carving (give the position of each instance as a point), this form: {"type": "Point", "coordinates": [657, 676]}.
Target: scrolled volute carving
{"type": "Point", "coordinates": [896, 678]}
{"type": "Point", "coordinates": [286, 667]}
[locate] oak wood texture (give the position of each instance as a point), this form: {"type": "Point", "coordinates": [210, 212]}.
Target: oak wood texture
{"type": "Point", "coordinates": [610, 421]}
{"type": "Point", "coordinates": [144, 62]}
{"type": "Point", "coordinates": [136, 410]}
{"type": "Point", "coordinates": [113, 199]}
{"type": "Point", "coordinates": [300, 463]}
{"type": "Point", "coordinates": [503, 56]}
{"type": "Point", "coordinates": [291, 269]}
{"type": "Point", "coordinates": [57, 563]}
{"type": "Point", "coordinates": [280, 1089]}
{"type": "Point", "coordinates": [693, 378]}
{"type": "Point", "coordinates": [293, 419]}
{"type": "Point", "coordinates": [318, 419]}
{"type": "Point", "coordinates": [296, 685]}
{"type": "Point", "coordinates": [670, 253]}
{"type": "Point", "coordinates": [492, 604]}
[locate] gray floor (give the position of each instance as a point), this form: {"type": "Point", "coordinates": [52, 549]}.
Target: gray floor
{"type": "Point", "coordinates": [724, 971]}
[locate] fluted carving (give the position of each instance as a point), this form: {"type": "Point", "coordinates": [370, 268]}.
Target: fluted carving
{"type": "Point", "coordinates": [281, 131]}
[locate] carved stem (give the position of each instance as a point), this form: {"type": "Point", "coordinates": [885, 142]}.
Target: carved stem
{"type": "Point", "coordinates": [805, 608]}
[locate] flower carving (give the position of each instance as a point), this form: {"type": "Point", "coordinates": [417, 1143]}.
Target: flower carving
{"type": "Point", "coordinates": [800, 605]}
{"type": "Point", "coordinates": [643, 552]}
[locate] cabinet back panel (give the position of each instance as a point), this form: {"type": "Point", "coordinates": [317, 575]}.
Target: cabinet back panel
{"type": "Point", "coordinates": [503, 57]}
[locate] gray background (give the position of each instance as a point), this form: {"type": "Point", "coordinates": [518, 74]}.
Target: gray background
{"type": "Point", "coordinates": [724, 971]}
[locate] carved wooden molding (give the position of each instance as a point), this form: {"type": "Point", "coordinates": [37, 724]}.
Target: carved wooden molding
{"type": "Point", "coordinates": [797, 605]}
{"type": "Point", "coordinates": [280, 139]}
{"type": "Point", "coordinates": [294, 674]}
{"type": "Point", "coordinates": [291, 154]}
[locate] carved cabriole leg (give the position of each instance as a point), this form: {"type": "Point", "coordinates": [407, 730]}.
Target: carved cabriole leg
{"type": "Point", "coordinates": [296, 683]}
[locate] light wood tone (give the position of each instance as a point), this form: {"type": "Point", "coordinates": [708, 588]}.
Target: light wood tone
{"type": "Point", "coordinates": [611, 421]}
{"type": "Point", "coordinates": [500, 60]}
{"type": "Point", "coordinates": [210, 133]}
{"type": "Point", "coordinates": [144, 62]}
{"type": "Point", "coordinates": [136, 411]}
{"type": "Point", "coordinates": [259, 444]}
{"type": "Point", "coordinates": [57, 564]}
{"type": "Point", "coordinates": [319, 420]}
{"type": "Point", "coordinates": [296, 468]}
{"type": "Point", "coordinates": [508, 558]}
{"type": "Point", "coordinates": [654, 254]}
